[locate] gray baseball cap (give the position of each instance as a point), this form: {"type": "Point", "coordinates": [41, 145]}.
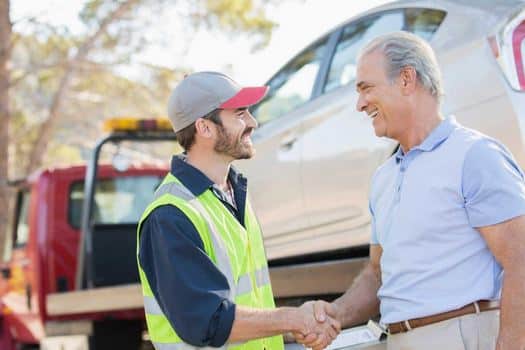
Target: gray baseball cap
{"type": "Point", "coordinates": [200, 93]}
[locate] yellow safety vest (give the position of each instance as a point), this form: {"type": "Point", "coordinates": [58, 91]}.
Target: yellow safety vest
{"type": "Point", "coordinates": [238, 252]}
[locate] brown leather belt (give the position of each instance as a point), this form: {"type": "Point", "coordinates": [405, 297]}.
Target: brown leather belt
{"type": "Point", "coordinates": [475, 307]}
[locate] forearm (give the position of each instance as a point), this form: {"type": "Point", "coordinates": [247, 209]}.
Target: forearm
{"type": "Point", "coordinates": [512, 317]}
{"type": "Point", "coordinates": [360, 301]}
{"type": "Point", "coordinates": [259, 323]}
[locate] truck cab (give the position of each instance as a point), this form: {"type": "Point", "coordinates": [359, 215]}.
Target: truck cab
{"type": "Point", "coordinates": [44, 239]}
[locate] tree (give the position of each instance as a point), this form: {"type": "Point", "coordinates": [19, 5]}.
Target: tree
{"type": "Point", "coordinates": [51, 86]}
{"type": "Point", "coordinates": [5, 50]}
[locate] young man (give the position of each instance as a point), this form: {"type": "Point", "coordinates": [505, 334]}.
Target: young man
{"type": "Point", "coordinates": [200, 250]}
{"type": "Point", "coordinates": [447, 262]}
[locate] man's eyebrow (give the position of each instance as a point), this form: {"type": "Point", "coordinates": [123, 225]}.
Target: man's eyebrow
{"type": "Point", "coordinates": [241, 109]}
{"type": "Point", "coordinates": [360, 85]}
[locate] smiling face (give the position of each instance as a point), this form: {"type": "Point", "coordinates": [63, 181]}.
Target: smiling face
{"type": "Point", "coordinates": [380, 99]}
{"type": "Point", "coordinates": [234, 135]}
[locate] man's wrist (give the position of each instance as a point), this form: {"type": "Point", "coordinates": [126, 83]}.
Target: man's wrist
{"type": "Point", "coordinates": [340, 314]}
{"type": "Point", "coordinates": [290, 319]}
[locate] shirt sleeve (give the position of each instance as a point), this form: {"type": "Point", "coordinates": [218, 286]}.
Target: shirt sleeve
{"type": "Point", "coordinates": [191, 291]}
{"type": "Point", "coordinates": [493, 184]}
{"type": "Point", "coordinates": [373, 235]}
{"type": "Point", "coordinates": [371, 200]}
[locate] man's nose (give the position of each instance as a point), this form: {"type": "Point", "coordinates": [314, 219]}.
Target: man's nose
{"type": "Point", "coordinates": [250, 120]}
{"type": "Point", "coordinates": [361, 103]}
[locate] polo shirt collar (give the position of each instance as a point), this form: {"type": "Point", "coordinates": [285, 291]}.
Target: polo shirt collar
{"type": "Point", "coordinates": [434, 139]}
{"type": "Point", "coordinates": [196, 181]}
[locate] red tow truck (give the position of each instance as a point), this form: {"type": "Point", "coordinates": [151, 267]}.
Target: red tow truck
{"type": "Point", "coordinates": [70, 266]}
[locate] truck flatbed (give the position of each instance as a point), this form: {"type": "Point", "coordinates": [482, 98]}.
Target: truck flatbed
{"type": "Point", "coordinates": [332, 277]}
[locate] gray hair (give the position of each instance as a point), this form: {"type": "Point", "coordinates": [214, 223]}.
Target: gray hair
{"type": "Point", "coordinates": [403, 49]}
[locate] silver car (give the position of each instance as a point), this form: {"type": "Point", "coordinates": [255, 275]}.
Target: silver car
{"type": "Point", "coordinates": [316, 154]}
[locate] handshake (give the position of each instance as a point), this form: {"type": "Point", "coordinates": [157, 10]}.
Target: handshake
{"type": "Point", "coordinates": [320, 324]}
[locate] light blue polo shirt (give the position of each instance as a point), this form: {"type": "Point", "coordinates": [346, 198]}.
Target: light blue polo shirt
{"type": "Point", "coordinates": [425, 207]}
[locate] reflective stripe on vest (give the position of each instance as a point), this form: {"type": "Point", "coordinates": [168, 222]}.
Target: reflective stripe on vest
{"type": "Point", "coordinates": [244, 284]}
{"type": "Point", "coordinates": [223, 261]}
{"type": "Point", "coordinates": [262, 276]}
{"type": "Point", "coordinates": [242, 287]}
{"type": "Point", "coordinates": [151, 306]}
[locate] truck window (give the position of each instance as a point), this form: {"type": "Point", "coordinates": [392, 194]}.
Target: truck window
{"type": "Point", "coordinates": [117, 201]}
{"type": "Point", "coordinates": [420, 21]}
{"type": "Point", "coordinates": [21, 232]}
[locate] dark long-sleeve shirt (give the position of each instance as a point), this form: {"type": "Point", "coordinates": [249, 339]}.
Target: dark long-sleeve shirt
{"type": "Point", "coordinates": [189, 288]}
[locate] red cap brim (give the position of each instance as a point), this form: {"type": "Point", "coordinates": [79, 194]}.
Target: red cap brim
{"type": "Point", "coordinates": [246, 97]}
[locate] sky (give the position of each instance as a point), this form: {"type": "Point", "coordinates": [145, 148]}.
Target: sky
{"type": "Point", "coordinates": [300, 22]}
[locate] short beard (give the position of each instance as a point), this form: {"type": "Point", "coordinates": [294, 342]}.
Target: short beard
{"type": "Point", "coordinates": [227, 144]}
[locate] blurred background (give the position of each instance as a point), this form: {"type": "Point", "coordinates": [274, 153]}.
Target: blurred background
{"type": "Point", "coordinates": [73, 63]}
{"type": "Point", "coordinates": [67, 65]}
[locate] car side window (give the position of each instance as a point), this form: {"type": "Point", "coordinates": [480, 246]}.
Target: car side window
{"type": "Point", "coordinates": [292, 86]}
{"type": "Point", "coordinates": [422, 22]}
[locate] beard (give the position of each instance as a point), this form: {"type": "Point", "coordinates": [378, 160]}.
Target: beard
{"type": "Point", "coordinates": [233, 146]}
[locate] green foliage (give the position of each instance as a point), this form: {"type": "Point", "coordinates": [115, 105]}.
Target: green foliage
{"type": "Point", "coordinates": [97, 89]}
{"type": "Point", "coordinates": [22, 135]}
{"type": "Point", "coordinates": [94, 10]}
{"type": "Point", "coordinates": [59, 154]}
{"type": "Point", "coordinates": [234, 16]}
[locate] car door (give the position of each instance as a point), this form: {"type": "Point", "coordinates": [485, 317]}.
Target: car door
{"type": "Point", "coordinates": [274, 175]}
{"type": "Point", "coordinates": [340, 149]}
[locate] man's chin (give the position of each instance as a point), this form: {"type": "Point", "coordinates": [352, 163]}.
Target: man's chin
{"type": "Point", "coordinates": [246, 154]}
{"type": "Point", "coordinates": [379, 133]}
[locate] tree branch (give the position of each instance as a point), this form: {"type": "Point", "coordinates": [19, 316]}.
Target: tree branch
{"type": "Point", "coordinates": [34, 70]}
{"type": "Point", "coordinates": [38, 151]}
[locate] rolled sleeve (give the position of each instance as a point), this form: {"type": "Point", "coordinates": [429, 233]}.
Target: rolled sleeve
{"type": "Point", "coordinates": [191, 291]}
{"type": "Point", "coordinates": [492, 184]}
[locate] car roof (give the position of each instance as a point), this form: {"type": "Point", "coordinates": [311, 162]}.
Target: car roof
{"type": "Point", "coordinates": [496, 8]}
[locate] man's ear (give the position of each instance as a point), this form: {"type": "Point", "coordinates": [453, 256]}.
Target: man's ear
{"type": "Point", "coordinates": [203, 128]}
{"type": "Point", "coordinates": [408, 80]}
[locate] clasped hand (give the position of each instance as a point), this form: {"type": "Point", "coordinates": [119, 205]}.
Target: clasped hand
{"type": "Point", "coordinates": [320, 325]}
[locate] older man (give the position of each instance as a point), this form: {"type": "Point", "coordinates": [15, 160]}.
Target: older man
{"type": "Point", "coordinates": [447, 253]}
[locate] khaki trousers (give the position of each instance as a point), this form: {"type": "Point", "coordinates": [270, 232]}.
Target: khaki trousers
{"type": "Point", "coordinates": [467, 332]}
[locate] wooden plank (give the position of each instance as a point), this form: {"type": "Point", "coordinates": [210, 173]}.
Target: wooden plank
{"type": "Point", "coordinates": [332, 277]}
{"type": "Point", "coordinates": [95, 300]}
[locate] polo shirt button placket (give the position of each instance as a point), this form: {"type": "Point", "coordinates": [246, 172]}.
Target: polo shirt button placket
{"type": "Point", "coordinates": [400, 178]}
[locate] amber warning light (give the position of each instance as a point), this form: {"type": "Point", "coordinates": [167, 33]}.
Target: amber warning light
{"type": "Point", "coordinates": [127, 124]}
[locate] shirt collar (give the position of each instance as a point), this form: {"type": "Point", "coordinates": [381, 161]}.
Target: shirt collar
{"type": "Point", "coordinates": [434, 139]}
{"type": "Point", "coordinates": [196, 181]}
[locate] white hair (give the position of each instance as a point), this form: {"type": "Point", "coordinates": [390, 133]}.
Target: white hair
{"type": "Point", "coordinates": [403, 49]}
